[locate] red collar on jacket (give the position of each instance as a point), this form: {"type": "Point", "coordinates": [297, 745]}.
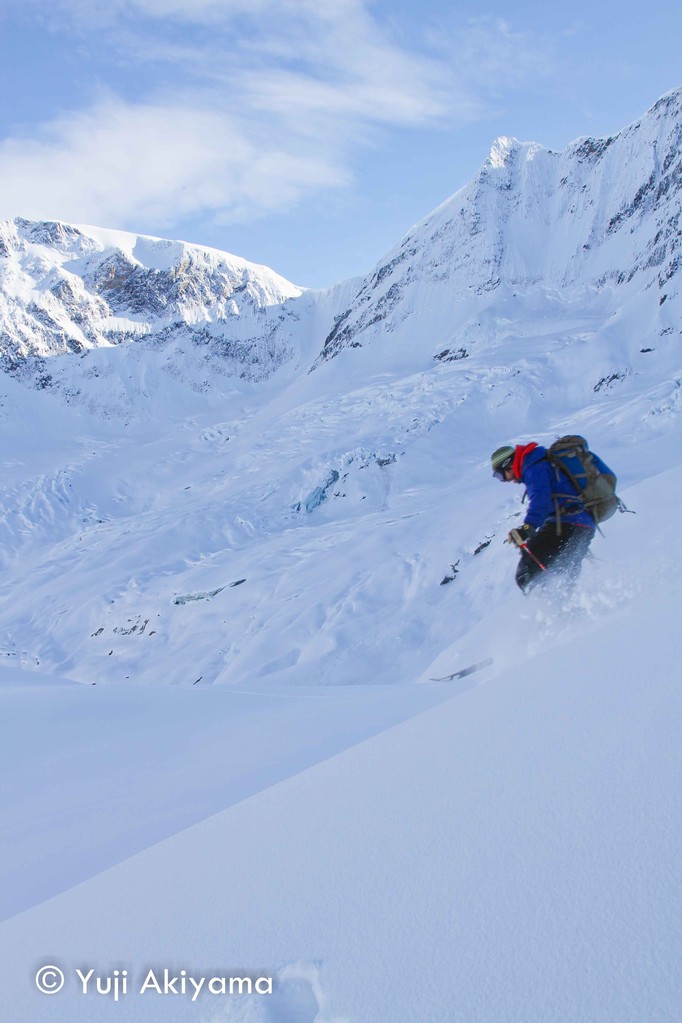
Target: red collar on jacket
{"type": "Point", "coordinates": [521, 451]}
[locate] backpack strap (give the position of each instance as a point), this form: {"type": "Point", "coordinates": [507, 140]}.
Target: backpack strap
{"type": "Point", "coordinates": [559, 467]}
{"type": "Point", "coordinates": [557, 513]}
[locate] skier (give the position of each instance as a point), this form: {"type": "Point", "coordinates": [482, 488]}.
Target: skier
{"type": "Point", "coordinates": [545, 546]}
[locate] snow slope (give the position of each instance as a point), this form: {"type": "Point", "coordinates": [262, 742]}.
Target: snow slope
{"type": "Point", "coordinates": [509, 855]}
{"type": "Point", "coordinates": [92, 775]}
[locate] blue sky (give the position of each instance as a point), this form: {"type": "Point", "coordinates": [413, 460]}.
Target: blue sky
{"type": "Point", "coordinates": [302, 134]}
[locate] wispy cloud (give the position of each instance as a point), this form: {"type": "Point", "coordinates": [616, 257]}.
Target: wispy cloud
{"type": "Point", "coordinates": [117, 163]}
{"type": "Point", "coordinates": [270, 101]}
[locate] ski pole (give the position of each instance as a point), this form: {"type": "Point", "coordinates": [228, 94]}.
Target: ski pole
{"type": "Point", "coordinates": [526, 548]}
{"type": "Point", "coordinates": [515, 537]}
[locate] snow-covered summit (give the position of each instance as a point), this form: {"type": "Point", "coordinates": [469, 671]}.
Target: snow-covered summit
{"type": "Point", "coordinates": [69, 289]}
{"type": "Point", "coordinates": [599, 218]}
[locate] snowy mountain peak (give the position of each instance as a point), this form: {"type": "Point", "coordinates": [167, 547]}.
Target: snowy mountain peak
{"type": "Point", "coordinates": [71, 289]}
{"type": "Point", "coordinates": [64, 239]}
{"type": "Point", "coordinates": [669, 105]}
{"type": "Point", "coordinates": [503, 152]}
{"type": "Point", "coordinates": [599, 218]}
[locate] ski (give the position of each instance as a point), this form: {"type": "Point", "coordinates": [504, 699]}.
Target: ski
{"type": "Point", "coordinates": [463, 672]}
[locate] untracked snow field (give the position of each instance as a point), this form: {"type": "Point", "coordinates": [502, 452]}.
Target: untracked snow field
{"type": "Point", "coordinates": [509, 853]}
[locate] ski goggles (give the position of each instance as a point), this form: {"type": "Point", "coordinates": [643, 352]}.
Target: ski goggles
{"type": "Point", "coordinates": [498, 474]}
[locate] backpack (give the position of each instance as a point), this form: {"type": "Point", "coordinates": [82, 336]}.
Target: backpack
{"type": "Point", "coordinates": [571, 456]}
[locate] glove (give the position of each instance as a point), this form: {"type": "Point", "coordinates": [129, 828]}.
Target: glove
{"type": "Point", "coordinates": [521, 535]}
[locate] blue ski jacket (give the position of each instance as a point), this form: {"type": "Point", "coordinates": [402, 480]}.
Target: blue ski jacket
{"type": "Point", "coordinates": [540, 480]}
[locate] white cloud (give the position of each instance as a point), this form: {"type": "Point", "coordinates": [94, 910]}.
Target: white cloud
{"type": "Point", "coordinates": [188, 11]}
{"type": "Point", "coordinates": [118, 162]}
{"type": "Point", "coordinates": [271, 101]}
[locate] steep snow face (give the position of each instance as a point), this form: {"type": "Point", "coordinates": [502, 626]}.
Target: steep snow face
{"type": "Point", "coordinates": [72, 289]}
{"type": "Point", "coordinates": [597, 223]}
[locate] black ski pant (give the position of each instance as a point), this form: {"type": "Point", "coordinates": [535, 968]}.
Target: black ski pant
{"type": "Point", "coordinates": [560, 555]}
